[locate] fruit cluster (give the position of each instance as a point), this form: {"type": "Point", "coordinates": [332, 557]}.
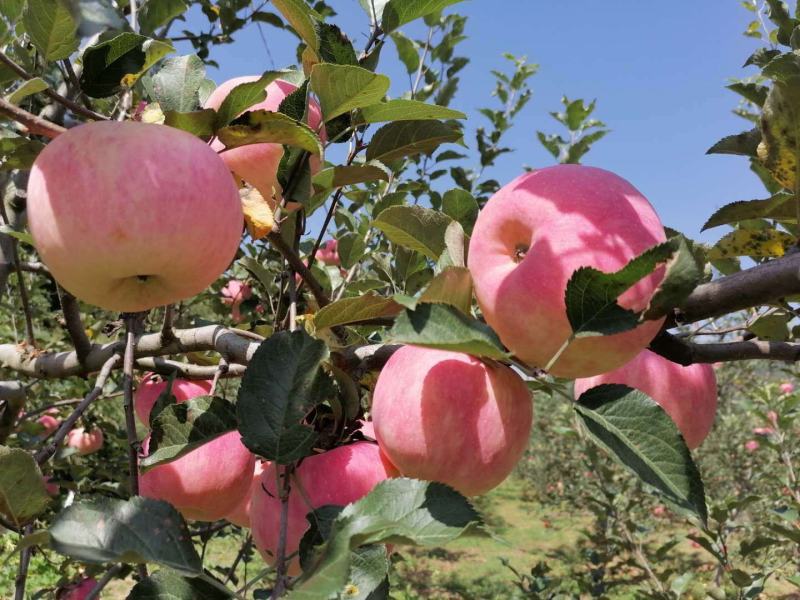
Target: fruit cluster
{"type": "Point", "coordinates": [109, 220]}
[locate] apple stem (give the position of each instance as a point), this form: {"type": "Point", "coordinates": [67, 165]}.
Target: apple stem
{"type": "Point", "coordinates": [561, 351]}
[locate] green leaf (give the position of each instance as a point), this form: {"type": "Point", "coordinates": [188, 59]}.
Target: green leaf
{"type": "Point", "coordinates": [354, 310]}
{"type": "Point", "coordinates": [761, 243]}
{"type": "Point", "coordinates": [157, 13]}
{"type": "Point", "coordinates": [342, 88]}
{"type": "Point", "coordinates": [27, 88]}
{"type": "Point", "coordinates": [762, 57]}
{"type": "Point", "coordinates": [341, 175]}
{"type": "Point", "coordinates": [139, 530]}
{"type": "Point", "coordinates": [405, 110]}
{"type": "Point", "coordinates": [168, 585]}
{"type": "Point", "coordinates": [684, 271]}
{"type": "Point", "coordinates": [17, 152]}
{"type": "Point", "coordinates": [745, 144]}
{"type": "Point", "coordinates": [779, 14]}
{"type": "Point", "coordinates": [397, 511]}
{"type": "Point", "coordinates": [51, 27]}
{"type": "Point", "coordinates": [334, 46]}
{"type": "Point", "coordinates": [351, 249]}
{"type": "Point", "coordinates": [453, 286]}
{"type": "Point", "coordinates": [753, 92]}
{"type": "Point", "coordinates": [176, 85]}
{"type": "Point", "coordinates": [264, 126]}
{"type": "Point", "coordinates": [279, 387]}
{"type": "Point", "coordinates": [11, 9]}
{"type": "Point", "coordinates": [406, 52]}
{"type": "Point", "coordinates": [415, 228]}
{"type": "Point", "coordinates": [783, 68]}
{"type": "Point", "coordinates": [781, 206]}
{"type": "Point", "coordinates": [460, 206]}
{"type": "Point", "coordinates": [22, 491]}
{"type": "Point", "coordinates": [22, 236]}
{"type": "Point", "coordinates": [302, 18]}
{"type": "Point", "coordinates": [243, 96]}
{"type": "Point", "coordinates": [445, 327]}
{"type": "Point", "coordinates": [637, 432]}
{"type": "Point", "coordinates": [196, 122]}
{"type": "Point", "coordinates": [182, 427]}
{"type": "Point", "coordinates": [397, 13]}
{"type": "Point", "coordinates": [772, 327]}
{"type": "Point", "coordinates": [407, 138]}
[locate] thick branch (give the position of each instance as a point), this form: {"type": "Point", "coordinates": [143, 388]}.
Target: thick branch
{"type": "Point", "coordinates": [35, 124]}
{"type": "Point", "coordinates": [297, 265]}
{"type": "Point", "coordinates": [756, 286]}
{"type": "Point", "coordinates": [75, 328]}
{"type": "Point", "coordinates": [687, 353]}
{"type": "Point", "coordinates": [53, 95]}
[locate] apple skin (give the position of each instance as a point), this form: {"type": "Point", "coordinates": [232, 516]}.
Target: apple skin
{"type": "Point", "coordinates": [240, 515]}
{"type": "Point", "coordinates": [687, 394]}
{"type": "Point", "coordinates": [79, 590]}
{"type": "Point", "coordinates": [449, 417]}
{"type": "Point", "coordinates": [530, 238]}
{"type": "Point", "coordinates": [151, 387]}
{"type": "Point", "coordinates": [339, 476]}
{"type": "Point", "coordinates": [257, 164]}
{"type": "Point", "coordinates": [49, 422]}
{"type": "Point", "coordinates": [205, 484]}
{"type": "Point", "coordinates": [85, 442]}
{"type": "Point", "coordinates": [129, 216]}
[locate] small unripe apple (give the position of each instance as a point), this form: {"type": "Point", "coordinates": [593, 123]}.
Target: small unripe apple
{"type": "Point", "coordinates": [533, 235]}
{"type": "Point", "coordinates": [152, 386]}
{"type": "Point", "coordinates": [257, 164]}
{"type": "Point", "coordinates": [687, 394]}
{"type": "Point", "coordinates": [240, 515]}
{"type": "Point", "coordinates": [339, 476]}
{"type": "Point", "coordinates": [129, 216]}
{"type": "Point", "coordinates": [79, 590]}
{"type": "Point", "coordinates": [85, 442]}
{"type": "Point", "coordinates": [207, 483]}
{"type": "Point", "coordinates": [450, 417]}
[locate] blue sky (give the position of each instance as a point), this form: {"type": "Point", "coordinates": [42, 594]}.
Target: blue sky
{"type": "Point", "coordinates": [657, 69]}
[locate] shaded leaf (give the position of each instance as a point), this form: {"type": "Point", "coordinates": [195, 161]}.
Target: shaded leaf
{"type": "Point", "coordinates": [341, 175]}
{"type": "Point", "coordinates": [51, 27]}
{"type": "Point", "coordinates": [452, 286]}
{"type": "Point", "coordinates": [22, 491]}
{"type": "Point", "coordinates": [243, 96]}
{"type": "Point", "coordinates": [197, 122]}
{"type": "Point", "coordinates": [169, 585]}
{"type": "Point", "coordinates": [263, 126]}
{"type": "Point", "coordinates": [745, 144]}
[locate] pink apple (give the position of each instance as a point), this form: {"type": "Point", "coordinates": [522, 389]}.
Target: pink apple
{"type": "Point", "coordinates": [207, 483]}
{"type": "Point", "coordinates": [79, 590]}
{"type": "Point", "coordinates": [49, 422]}
{"type": "Point", "coordinates": [257, 164]}
{"type": "Point", "coordinates": [687, 394]}
{"type": "Point", "coordinates": [751, 445]}
{"type": "Point", "coordinates": [50, 487]}
{"type": "Point", "coordinates": [129, 216]}
{"type": "Point", "coordinates": [329, 254]}
{"type": "Point", "coordinates": [85, 442]}
{"type": "Point", "coordinates": [233, 294]}
{"type": "Point", "coordinates": [240, 515]}
{"type": "Point", "coordinates": [533, 235]}
{"type": "Point", "coordinates": [763, 431]}
{"type": "Point", "coordinates": [339, 476]}
{"type": "Point", "coordinates": [787, 387]}
{"type": "Point", "coordinates": [450, 417]}
{"type": "Point", "coordinates": [772, 417]}
{"type": "Point", "coordinates": [152, 386]}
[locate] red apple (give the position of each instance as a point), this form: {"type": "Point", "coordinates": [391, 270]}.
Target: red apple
{"type": "Point", "coordinates": [329, 253]}
{"type": "Point", "coordinates": [257, 164]}
{"type": "Point", "coordinates": [85, 442]}
{"type": "Point", "coordinates": [450, 417]}
{"type": "Point", "coordinates": [531, 237]}
{"type": "Point", "coordinates": [240, 515]}
{"type": "Point", "coordinates": [687, 394]}
{"type": "Point", "coordinates": [339, 476]}
{"type": "Point", "coordinates": [79, 590]}
{"type": "Point", "coordinates": [207, 483]}
{"type": "Point", "coordinates": [129, 216]}
{"type": "Point", "coordinates": [152, 386]}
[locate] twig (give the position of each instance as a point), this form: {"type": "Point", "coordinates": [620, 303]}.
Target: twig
{"type": "Point", "coordinates": [52, 94]}
{"type": "Point", "coordinates": [23, 292]}
{"type": "Point", "coordinates": [7, 525]}
{"type": "Point", "coordinates": [132, 321]}
{"type": "Point", "coordinates": [167, 334]}
{"type": "Point", "coordinates": [34, 124]}
{"type": "Point", "coordinates": [221, 369]}
{"type": "Point", "coordinates": [29, 267]}
{"type": "Point", "coordinates": [22, 569]}
{"type": "Point", "coordinates": [297, 265]}
{"type": "Point", "coordinates": [45, 453]}
{"type": "Point", "coordinates": [239, 556]}
{"type": "Point", "coordinates": [163, 366]}
{"type": "Point", "coordinates": [687, 353]}
{"type": "Point", "coordinates": [75, 328]}
{"type": "Point", "coordinates": [103, 582]}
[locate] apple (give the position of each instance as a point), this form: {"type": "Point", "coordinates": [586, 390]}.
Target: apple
{"type": "Point", "coordinates": [240, 515]}
{"type": "Point", "coordinates": [152, 386]}
{"type": "Point", "coordinates": [50, 487]}
{"type": "Point", "coordinates": [528, 241]}
{"type": "Point", "coordinates": [85, 442]}
{"type": "Point", "coordinates": [207, 483]}
{"type": "Point", "coordinates": [257, 164]}
{"type": "Point", "coordinates": [129, 216]}
{"type": "Point", "coordinates": [328, 254]}
{"type": "Point", "coordinates": [233, 294]}
{"type": "Point", "coordinates": [450, 417]}
{"type": "Point", "coordinates": [687, 394]}
{"type": "Point", "coordinates": [49, 422]}
{"type": "Point", "coordinates": [79, 590]}
{"type": "Point", "coordinates": [339, 476]}
{"type": "Point", "coordinates": [787, 387]}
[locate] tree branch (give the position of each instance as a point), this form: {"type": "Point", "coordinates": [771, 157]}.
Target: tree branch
{"type": "Point", "coordinates": [34, 124]}
{"type": "Point", "coordinates": [294, 260]}
{"type": "Point", "coordinates": [75, 328]}
{"type": "Point", "coordinates": [687, 353]}
{"type": "Point", "coordinates": [52, 94]}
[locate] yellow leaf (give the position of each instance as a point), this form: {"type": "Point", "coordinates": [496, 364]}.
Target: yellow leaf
{"type": "Point", "coordinates": [152, 113]}
{"type": "Point", "coordinates": [258, 215]}
{"type": "Point", "coordinates": [761, 243]}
